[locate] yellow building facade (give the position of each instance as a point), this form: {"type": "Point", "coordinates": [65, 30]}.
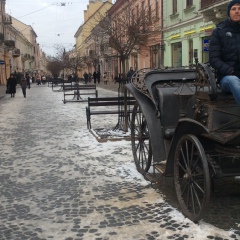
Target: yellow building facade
{"type": "Point", "coordinates": [95, 11]}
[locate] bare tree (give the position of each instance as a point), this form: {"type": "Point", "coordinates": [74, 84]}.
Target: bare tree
{"type": "Point", "coordinates": [67, 61]}
{"type": "Point", "coordinates": [54, 67]}
{"type": "Point", "coordinates": [127, 30]}
{"type": "Point", "coordinates": [73, 61]}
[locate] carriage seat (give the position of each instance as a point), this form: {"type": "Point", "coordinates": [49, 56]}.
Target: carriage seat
{"type": "Point", "coordinates": [220, 96]}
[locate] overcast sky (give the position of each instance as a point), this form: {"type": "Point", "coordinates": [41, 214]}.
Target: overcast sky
{"type": "Point", "coordinates": [55, 22]}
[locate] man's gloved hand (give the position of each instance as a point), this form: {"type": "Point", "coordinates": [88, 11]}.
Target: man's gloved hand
{"type": "Point", "coordinates": [236, 73]}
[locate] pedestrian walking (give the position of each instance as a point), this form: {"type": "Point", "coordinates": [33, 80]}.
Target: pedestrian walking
{"type": "Point", "coordinates": [105, 78]}
{"type": "Point", "coordinates": [11, 85]}
{"type": "Point", "coordinates": [43, 80]}
{"type": "Point", "coordinates": [95, 77]}
{"type": "Point", "coordinates": [89, 77]}
{"type": "Point", "coordinates": [130, 74]}
{"type": "Point", "coordinates": [38, 79]}
{"type": "Point", "coordinates": [85, 76]}
{"type": "Point", "coordinates": [28, 79]}
{"type": "Point", "coordinates": [23, 84]}
{"type": "Point", "coordinates": [224, 51]}
{"type": "Point", "coordinates": [98, 76]}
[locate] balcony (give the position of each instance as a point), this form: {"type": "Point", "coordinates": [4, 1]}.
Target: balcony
{"type": "Point", "coordinates": [25, 57]}
{"type": "Point", "coordinates": [9, 43]}
{"type": "Point", "coordinates": [7, 19]}
{"type": "Point", "coordinates": [214, 10]}
{"type": "Point", "coordinates": [16, 53]}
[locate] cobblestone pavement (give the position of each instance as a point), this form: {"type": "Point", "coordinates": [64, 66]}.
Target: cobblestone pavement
{"type": "Point", "coordinates": [57, 182]}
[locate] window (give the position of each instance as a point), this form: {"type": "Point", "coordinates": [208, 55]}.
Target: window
{"type": "Point", "coordinates": [157, 10]}
{"type": "Point", "coordinates": [143, 9]}
{"type": "Point", "coordinates": [190, 54]}
{"type": "Point", "coordinates": [174, 6]}
{"type": "Point", "coordinates": [149, 11]}
{"type": "Point", "coordinates": [189, 3]}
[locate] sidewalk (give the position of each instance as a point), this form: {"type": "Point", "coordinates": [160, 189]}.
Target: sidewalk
{"type": "Point", "coordinates": [109, 86]}
{"type": "Point", "coordinates": [57, 182]}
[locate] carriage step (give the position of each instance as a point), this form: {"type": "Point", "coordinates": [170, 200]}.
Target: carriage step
{"type": "Point", "coordinates": [160, 167]}
{"type": "Point", "coordinates": [150, 178]}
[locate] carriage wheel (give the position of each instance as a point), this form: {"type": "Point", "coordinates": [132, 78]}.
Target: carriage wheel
{"type": "Point", "coordinates": [141, 145]}
{"type": "Point", "coordinates": [191, 177]}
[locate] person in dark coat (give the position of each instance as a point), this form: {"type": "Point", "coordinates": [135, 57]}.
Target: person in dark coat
{"type": "Point", "coordinates": [95, 77]}
{"type": "Point", "coordinates": [98, 76]}
{"type": "Point", "coordinates": [224, 51]}
{"type": "Point", "coordinates": [130, 74]}
{"type": "Point", "coordinates": [85, 76]}
{"type": "Point", "coordinates": [23, 84]}
{"type": "Point", "coordinates": [11, 85]}
{"type": "Point", "coordinates": [28, 81]}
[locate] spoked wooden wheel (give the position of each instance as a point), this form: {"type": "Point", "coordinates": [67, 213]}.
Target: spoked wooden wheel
{"type": "Point", "coordinates": [141, 146]}
{"type": "Point", "coordinates": [191, 177]}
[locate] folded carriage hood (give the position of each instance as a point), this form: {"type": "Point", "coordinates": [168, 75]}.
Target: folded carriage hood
{"type": "Point", "coordinates": [154, 125]}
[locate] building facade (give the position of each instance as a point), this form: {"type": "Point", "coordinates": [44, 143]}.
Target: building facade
{"type": "Point", "coordinates": [179, 32]}
{"type": "Point", "coordinates": [146, 17]}
{"type": "Point", "coordinates": [30, 54]}
{"type": "Point", "coordinates": [19, 50]}
{"type": "Point", "coordinates": [7, 43]}
{"type": "Point", "coordinates": [96, 9]}
{"type": "Point", "coordinates": [187, 28]}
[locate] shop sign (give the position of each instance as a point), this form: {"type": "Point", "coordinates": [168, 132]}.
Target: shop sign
{"type": "Point", "coordinates": [206, 43]}
{"type": "Point", "coordinates": [2, 62]}
{"type": "Point", "coordinates": [208, 31]}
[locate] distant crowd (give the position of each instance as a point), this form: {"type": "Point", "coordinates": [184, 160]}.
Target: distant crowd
{"type": "Point", "coordinates": [24, 80]}
{"type": "Point", "coordinates": [96, 77]}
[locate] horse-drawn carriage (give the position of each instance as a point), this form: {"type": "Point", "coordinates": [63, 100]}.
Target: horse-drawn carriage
{"type": "Point", "coordinates": [184, 127]}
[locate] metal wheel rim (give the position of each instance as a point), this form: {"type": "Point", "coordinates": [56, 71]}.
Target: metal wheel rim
{"type": "Point", "coordinates": [140, 139]}
{"type": "Point", "coordinates": [191, 177]}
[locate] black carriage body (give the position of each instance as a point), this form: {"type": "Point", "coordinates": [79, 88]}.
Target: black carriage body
{"type": "Point", "coordinates": [216, 121]}
{"type": "Point", "coordinates": [155, 95]}
{"type": "Point", "coordinates": [187, 129]}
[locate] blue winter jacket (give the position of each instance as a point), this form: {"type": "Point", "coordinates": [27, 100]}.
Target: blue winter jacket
{"type": "Point", "coordinates": [224, 49]}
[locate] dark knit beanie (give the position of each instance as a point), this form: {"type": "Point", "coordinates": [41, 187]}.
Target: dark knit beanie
{"type": "Point", "coordinates": [231, 4]}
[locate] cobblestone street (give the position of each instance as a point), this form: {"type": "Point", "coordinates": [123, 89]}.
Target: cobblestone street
{"type": "Point", "coordinates": [57, 182]}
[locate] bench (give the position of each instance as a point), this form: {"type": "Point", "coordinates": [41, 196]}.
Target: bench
{"type": "Point", "coordinates": [120, 104]}
{"type": "Point", "coordinates": [56, 83]}
{"type": "Point", "coordinates": [77, 91]}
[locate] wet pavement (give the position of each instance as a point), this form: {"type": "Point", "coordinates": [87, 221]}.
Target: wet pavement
{"type": "Point", "coordinates": [57, 182]}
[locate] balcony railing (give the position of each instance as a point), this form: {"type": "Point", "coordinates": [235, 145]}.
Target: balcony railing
{"type": "Point", "coordinates": [9, 43]}
{"type": "Point", "coordinates": [7, 19]}
{"type": "Point", "coordinates": [16, 52]}
{"type": "Point", "coordinates": [208, 3]}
